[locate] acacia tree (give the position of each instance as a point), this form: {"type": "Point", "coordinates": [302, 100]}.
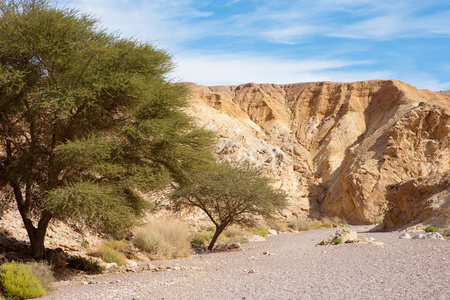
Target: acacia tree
{"type": "Point", "coordinates": [88, 121]}
{"type": "Point", "coordinates": [229, 194]}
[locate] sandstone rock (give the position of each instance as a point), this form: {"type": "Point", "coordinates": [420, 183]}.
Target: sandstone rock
{"type": "Point", "coordinates": [57, 258]}
{"type": "Point", "coordinates": [228, 247]}
{"type": "Point", "coordinates": [434, 236]}
{"type": "Point", "coordinates": [131, 264]}
{"type": "Point", "coordinates": [346, 235]}
{"type": "Point", "coordinates": [405, 236]}
{"type": "Point", "coordinates": [419, 236]}
{"type": "Point", "coordinates": [333, 147]}
{"type": "Point", "coordinates": [273, 232]}
{"type": "Point", "coordinates": [418, 200]}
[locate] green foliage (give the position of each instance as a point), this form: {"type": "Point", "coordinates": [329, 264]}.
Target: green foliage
{"type": "Point", "coordinates": [18, 280]}
{"type": "Point", "coordinates": [110, 255]}
{"type": "Point", "coordinates": [118, 245]}
{"type": "Point", "coordinates": [229, 235]}
{"type": "Point", "coordinates": [338, 241]}
{"type": "Point", "coordinates": [80, 263]}
{"type": "Point", "coordinates": [201, 238]}
{"type": "Point", "coordinates": [112, 251]}
{"type": "Point", "coordinates": [260, 231]}
{"type": "Point", "coordinates": [164, 239]}
{"type": "Point", "coordinates": [431, 229]}
{"type": "Point", "coordinates": [88, 119]}
{"type": "Point", "coordinates": [229, 194]}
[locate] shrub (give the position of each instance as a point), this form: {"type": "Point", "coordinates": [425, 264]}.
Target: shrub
{"type": "Point", "coordinates": [118, 245]}
{"type": "Point", "coordinates": [43, 271]}
{"type": "Point", "coordinates": [80, 263]}
{"type": "Point", "coordinates": [234, 235]}
{"type": "Point", "coordinates": [19, 281]}
{"type": "Point", "coordinates": [260, 231]}
{"type": "Point", "coordinates": [299, 224]}
{"type": "Point", "coordinates": [111, 252]}
{"type": "Point", "coordinates": [110, 255]}
{"type": "Point", "coordinates": [201, 238]}
{"type": "Point", "coordinates": [278, 225]}
{"type": "Point", "coordinates": [165, 239]}
{"type": "Point", "coordinates": [431, 229]}
{"type": "Point", "coordinates": [338, 241]}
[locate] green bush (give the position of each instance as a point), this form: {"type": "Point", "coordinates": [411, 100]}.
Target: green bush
{"type": "Point", "coordinates": [19, 281]}
{"type": "Point", "coordinates": [110, 255]}
{"type": "Point", "coordinates": [201, 238]}
{"type": "Point", "coordinates": [164, 239]}
{"type": "Point", "coordinates": [118, 245]}
{"type": "Point", "coordinates": [80, 263]}
{"type": "Point", "coordinates": [431, 229]}
{"type": "Point", "coordinates": [112, 251]}
{"type": "Point", "coordinates": [260, 231]}
{"type": "Point", "coordinates": [338, 241]}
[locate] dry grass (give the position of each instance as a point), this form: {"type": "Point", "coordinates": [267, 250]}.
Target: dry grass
{"type": "Point", "coordinates": [165, 239]}
{"type": "Point", "coordinates": [278, 225]}
{"type": "Point", "coordinates": [299, 224]}
{"type": "Point", "coordinates": [333, 222]}
{"type": "Point", "coordinates": [43, 271]}
{"type": "Point", "coordinates": [234, 235]}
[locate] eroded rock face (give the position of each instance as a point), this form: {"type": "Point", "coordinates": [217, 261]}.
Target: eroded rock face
{"type": "Point", "coordinates": [417, 200]}
{"type": "Point", "coordinates": [333, 147]}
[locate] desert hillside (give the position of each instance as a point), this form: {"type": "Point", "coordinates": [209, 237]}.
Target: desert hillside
{"type": "Point", "coordinates": [335, 148]}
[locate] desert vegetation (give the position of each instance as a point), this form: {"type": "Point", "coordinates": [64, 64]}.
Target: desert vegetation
{"type": "Point", "coordinates": [25, 280]}
{"type": "Point", "coordinates": [164, 239]}
{"type": "Point", "coordinates": [229, 194]}
{"type": "Point", "coordinates": [89, 121]}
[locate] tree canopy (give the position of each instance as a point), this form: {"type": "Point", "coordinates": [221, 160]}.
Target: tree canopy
{"type": "Point", "coordinates": [229, 194]}
{"type": "Point", "coordinates": [88, 120]}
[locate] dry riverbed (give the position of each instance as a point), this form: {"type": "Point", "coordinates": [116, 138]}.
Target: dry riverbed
{"type": "Point", "coordinates": [286, 266]}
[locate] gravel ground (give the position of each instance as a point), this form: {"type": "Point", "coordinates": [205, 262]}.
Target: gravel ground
{"type": "Point", "coordinates": [294, 269]}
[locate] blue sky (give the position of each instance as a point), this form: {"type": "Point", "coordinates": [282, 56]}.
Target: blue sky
{"type": "Point", "coordinates": [278, 41]}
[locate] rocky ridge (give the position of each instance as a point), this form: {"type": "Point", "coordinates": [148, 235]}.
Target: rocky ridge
{"type": "Point", "coordinates": [333, 147]}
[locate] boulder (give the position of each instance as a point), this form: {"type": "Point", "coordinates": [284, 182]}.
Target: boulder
{"type": "Point", "coordinates": [405, 236]}
{"type": "Point", "coordinates": [57, 258]}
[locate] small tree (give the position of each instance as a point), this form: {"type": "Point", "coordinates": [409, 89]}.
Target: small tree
{"type": "Point", "coordinates": [88, 121]}
{"type": "Point", "coordinates": [229, 194]}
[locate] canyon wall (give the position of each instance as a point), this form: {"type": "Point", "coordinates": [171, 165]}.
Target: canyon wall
{"type": "Point", "coordinates": [334, 148]}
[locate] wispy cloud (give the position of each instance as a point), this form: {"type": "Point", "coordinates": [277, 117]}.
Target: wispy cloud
{"type": "Point", "coordinates": [284, 41]}
{"type": "Point", "coordinates": [166, 22]}
{"type": "Point", "coordinates": [236, 69]}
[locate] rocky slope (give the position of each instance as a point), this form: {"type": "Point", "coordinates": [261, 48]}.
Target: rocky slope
{"type": "Point", "coordinates": [333, 147]}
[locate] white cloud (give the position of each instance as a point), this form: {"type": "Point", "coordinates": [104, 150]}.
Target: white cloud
{"type": "Point", "coordinates": [166, 22]}
{"type": "Point", "coordinates": [233, 70]}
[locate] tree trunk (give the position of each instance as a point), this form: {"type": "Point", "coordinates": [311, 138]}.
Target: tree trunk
{"type": "Point", "coordinates": [219, 230]}
{"type": "Point", "coordinates": [37, 235]}
{"type": "Point", "coordinates": [37, 243]}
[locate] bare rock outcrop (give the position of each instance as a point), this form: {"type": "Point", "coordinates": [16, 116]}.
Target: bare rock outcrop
{"type": "Point", "coordinates": [416, 200]}
{"type": "Point", "coordinates": [333, 147]}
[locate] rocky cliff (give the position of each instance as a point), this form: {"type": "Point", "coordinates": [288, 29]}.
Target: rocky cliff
{"type": "Point", "coordinates": [333, 147]}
